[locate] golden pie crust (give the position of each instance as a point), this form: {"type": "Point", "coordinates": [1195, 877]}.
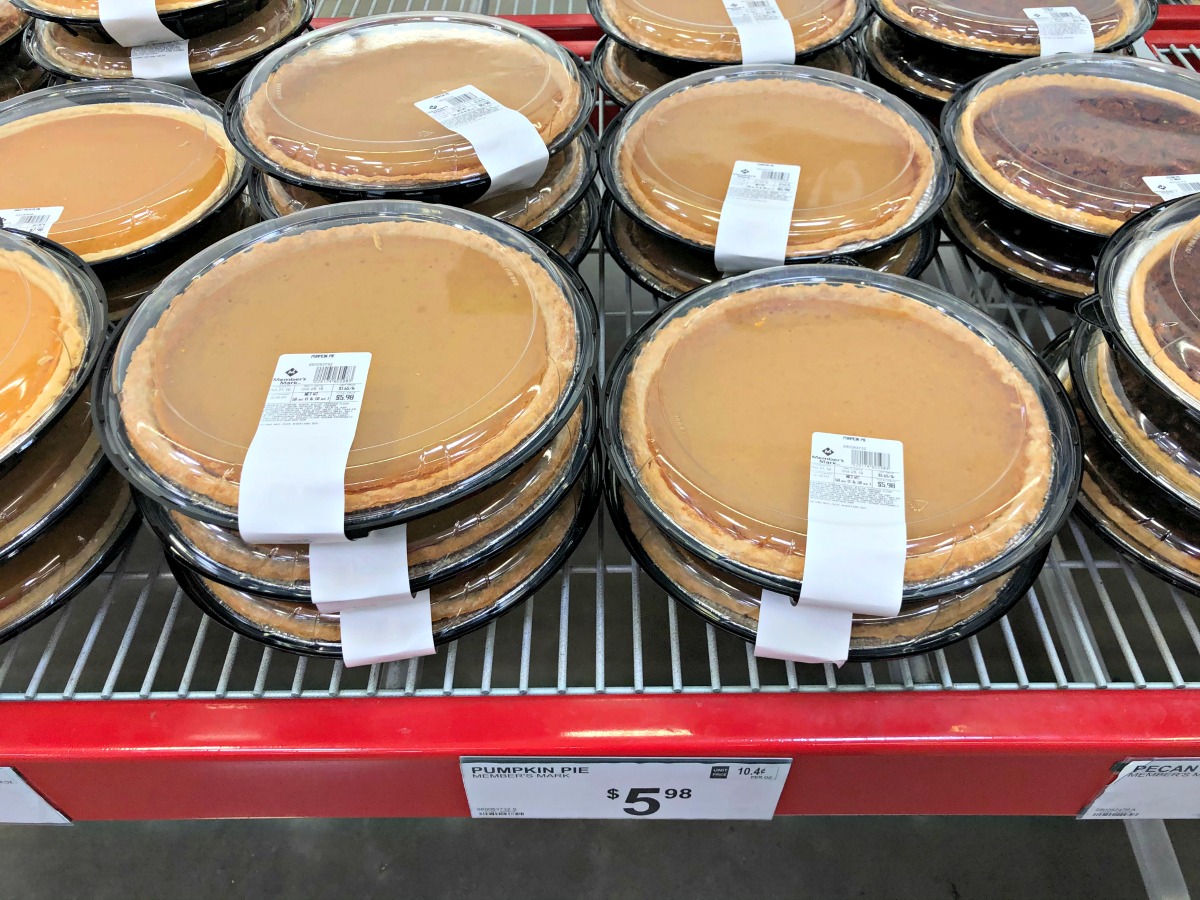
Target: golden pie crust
{"type": "Point", "coordinates": [451, 600]}
{"type": "Point", "coordinates": [907, 192]}
{"type": "Point", "coordinates": [985, 167]}
{"type": "Point", "coordinates": [1141, 318]}
{"type": "Point", "coordinates": [216, 480]}
{"type": "Point", "coordinates": [628, 22]}
{"type": "Point", "coordinates": [230, 166]}
{"type": "Point", "coordinates": [68, 334]}
{"type": "Point", "coordinates": [975, 543]}
{"type": "Point", "coordinates": [288, 563]}
{"type": "Point", "coordinates": [979, 39]}
{"type": "Point", "coordinates": [294, 153]}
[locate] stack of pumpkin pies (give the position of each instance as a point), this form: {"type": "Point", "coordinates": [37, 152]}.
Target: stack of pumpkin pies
{"type": "Point", "coordinates": [710, 481]}
{"type": "Point", "coordinates": [310, 120]}
{"type": "Point", "coordinates": [926, 50]}
{"type": "Point", "coordinates": [1055, 154]}
{"type": "Point", "coordinates": [873, 173]}
{"type": "Point", "coordinates": [1136, 379]}
{"type": "Point", "coordinates": [476, 429]}
{"type": "Point", "coordinates": [156, 184]}
{"type": "Point", "coordinates": [649, 43]}
{"type": "Point", "coordinates": [218, 58]}
{"type": "Point", "coordinates": [63, 513]}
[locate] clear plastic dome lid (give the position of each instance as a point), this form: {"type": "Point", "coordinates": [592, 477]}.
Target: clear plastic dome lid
{"type": "Point", "coordinates": [712, 405]}
{"type": "Point", "coordinates": [919, 65]}
{"type": "Point", "coordinates": [459, 605]}
{"type": "Point", "coordinates": [53, 322]}
{"type": "Point", "coordinates": [440, 545]}
{"type": "Point", "coordinates": [66, 556]}
{"type": "Point", "coordinates": [701, 30]}
{"type": "Point", "coordinates": [1001, 26]}
{"type": "Point", "coordinates": [568, 175]}
{"type": "Point", "coordinates": [12, 21]}
{"type": "Point", "coordinates": [1040, 258]}
{"type": "Point", "coordinates": [480, 344]}
{"type": "Point", "coordinates": [627, 76]}
{"type": "Point", "coordinates": [311, 112]}
{"type": "Point", "coordinates": [47, 478]}
{"type": "Point", "coordinates": [871, 169]}
{"type": "Point", "coordinates": [1070, 139]}
{"type": "Point", "coordinates": [157, 162]}
{"type": "Point", "coordinates": [78, 56]}
{"type": "Point", "coordinates": [1148, 430]}
{"type": "Point", "coordinates": [671, 269]}
{"type": "Point", "coordinates": [573, 235]}
{"type": "Point", "coordinates": [1149, 277]}
{"type": "Point", "coordinates": [733, 603]}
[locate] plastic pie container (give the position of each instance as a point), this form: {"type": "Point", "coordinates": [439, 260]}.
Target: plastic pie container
{"type": "Point", "coordinates": [187, 18]}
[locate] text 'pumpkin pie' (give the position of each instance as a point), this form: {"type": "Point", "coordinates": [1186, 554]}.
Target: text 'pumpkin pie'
{"type": "Point", "coordinates": [1001, 26]}
{"type": "Point", "coordinates": [459, 605]}
{"type": "Point", "coordinates": [1149, 279]}
{"type": "Point", "coordinates": [701, 30]}
{"type": "Point", "coordinates": [312, 111]}
{"type": "Point", "coordinates": [1071, 138]}
{"type": "Point", "coordinates": [713, 409]}
{"type": "Point", "coordinates": [479, 343]}
{"type": "Point", "coordinates": [52, 324]}
{"type": "Point", "coordinates": [130, 163]}
{"type": "Point", "coordinates": [871, 170]}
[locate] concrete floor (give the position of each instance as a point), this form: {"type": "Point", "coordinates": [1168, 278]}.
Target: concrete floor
{"type": "Point", "coordinates": [960, 859]}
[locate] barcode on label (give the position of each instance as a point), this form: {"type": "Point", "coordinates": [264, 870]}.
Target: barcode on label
{"type": "Point", "coordinates": [761, 5]}
{"type": "Point", "coordinates": [872, 459]}
{"type": "Point", "coordinates": [333, 374]}
{"type": "Point", "coordinates": [31, 223]}
{"type": "Point", "coordinates": [770, 175]}
{"type": "Point", "coordinates": [460, 99]}
{"type": "Point", "coordinates": [1171, 186]}
{"type": "Point", "coordinates": [34, 219]}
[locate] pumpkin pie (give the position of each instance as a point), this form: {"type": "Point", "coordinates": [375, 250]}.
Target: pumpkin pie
{"type": "Point", "coordinates": [479, 349]}
{"type": "Point", "coordinates": [459, 605]}
{"type": "Point", "coordinates": [671, 268]}
{"type": "Point", "coordinates": [1069, 139]}
{"type": "Point", "coordinates": [870, 169]}
{"type": "Point", "coordinates": [156, 163]}
{"type": "Point", "coordinates": [52, 323]}
{"type": "Point", "coordinates": [568, 175]}
{"type": "Point", "coordinates": [313, 113]}
{"type": "Point", "coordinates": [701, 31]}
{"type": "Point", "coordinates": [1038, 257]}
{"type": "Point", "coordinates": [1001, 26]}
{"type": "Point", "coordinates": [64, 559]}
{"type": "Point", "coordinates": [984, 454]}
{"type": "Point", "coordinates": [733, 603]}
{"type": "Point", "coordinates": [74, 55]}
{"type": "Point", "coordinates": [1151, 433]}
{"type": "Point", "coordinates": [627, 77]}
{"type": "Point", "coordinates": [439, 545]}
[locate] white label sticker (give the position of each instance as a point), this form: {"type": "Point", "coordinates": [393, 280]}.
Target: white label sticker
{"type": "Point", "coordinates": [620, 788]}
{"type": "Point", "coordinates": [765, 35]}
{"type": "Point", "coordinates": [1151, 789]}
{"type": "Point", "coordinates": [1166, 186]}
{"type": "Point", "coordinates": [801, 632]}
{"type": "Point", "coordinates": [756, 216]}
{"type": "Point", "coordinates": [857, 541]}
{"type": "Point", "coordinates": [163, 62]}
{"type": "Point", "coordinates": [1062, 29]}
{"type": "Point", "coordinates": [21, 804]}
{"type": "Point", "coordinates": [132, 23]}
{"type": "Point", "coordinates": [366, 583]}
{"type": "Point", "coordinates": [293, 478]}
{"type": "Point", "coordinates": [33, 219]}
{"type": "Point", "coordinates": [509, 147]}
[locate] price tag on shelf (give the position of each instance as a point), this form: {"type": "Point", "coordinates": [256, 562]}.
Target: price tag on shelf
{"type": "Point", "coordinates": [623, 788]}
{"type": "Point", "coordinates": [1062, 29]}
{"type": "Point", "coordinates": [1171, 186]}
{"type": "Point", "coordinates": [1150, 789]}
{"type": "Point", "coordinates": [21, 804]}
{"type": "Point", "coordinates": [33, 219]}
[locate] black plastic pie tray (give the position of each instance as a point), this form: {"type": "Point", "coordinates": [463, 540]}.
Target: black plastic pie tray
{"type": "Point", "coordinates": [197, 20]}
{"type": "Point", "coordinates": [571, 235]}
{"type": "Point", "coordinates": [936, 638]}
{"type": "Point", "coordinates": [195, 589]}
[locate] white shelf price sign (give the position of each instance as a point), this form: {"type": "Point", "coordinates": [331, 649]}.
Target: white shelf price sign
{"type": "Point", "coordinates": [622, 787]}
{"type": "Point", "coordinates": [1150, 789]}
